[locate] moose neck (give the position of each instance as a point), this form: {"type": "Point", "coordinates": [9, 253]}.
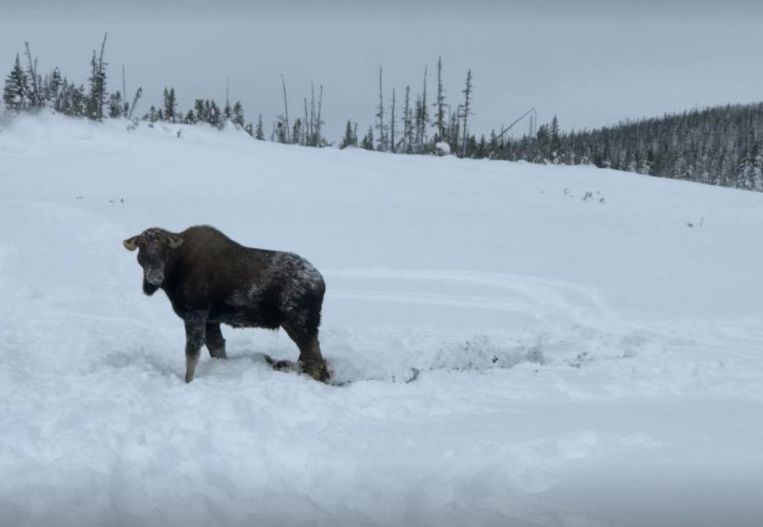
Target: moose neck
{"type": "Point", "coordinates": [169, 267]}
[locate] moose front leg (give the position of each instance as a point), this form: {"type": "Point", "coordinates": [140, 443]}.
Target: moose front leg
{"type": "Point", "coordinates": [194, 339]}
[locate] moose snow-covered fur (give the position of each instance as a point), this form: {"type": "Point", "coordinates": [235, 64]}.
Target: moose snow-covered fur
{"type": "Point", "coordinates": [212, 280]}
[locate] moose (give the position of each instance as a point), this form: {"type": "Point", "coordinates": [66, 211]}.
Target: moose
{"type": "Point", "coordinates": [212, 280]}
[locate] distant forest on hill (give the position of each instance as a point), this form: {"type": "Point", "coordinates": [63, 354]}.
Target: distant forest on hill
{"type": "Point", "coordinates": [718, 146]}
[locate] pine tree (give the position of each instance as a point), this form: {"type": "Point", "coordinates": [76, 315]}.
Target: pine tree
{"type": "Point", "coordinates": [53, 92]}
{"type": "Point", "coordinates": [482, 150]}
{"type": "Point", "coordinates": [170, 105]}
{"type": "Point", "coordinates": [555, 143]}
{"type": "Point", "coordinates": [64, 100]}
{"type": "Point", "coordinates": [116, 105]}
{"type": "Point", "coordinates": [238, 114]}
{"type": "Point", "coordinates": [97, 98]}
{"type": "Point", "coordinates": [200, 110]}
{"type": "Point", "coordinates": [494, 149]}
{"type": "Point", "coordinates": [470, 149]}
{"type": "Point", "coordinates": [215, 115]}
{"type": "Point", "coordinates": [78, 101]}
{"type": "Point", "coordinates": [16, 89]}
{"type": "Point", "coordinates": [454, 127]}
{"type": "Point", "coordinates": [368, 140]}
{"type": "Point", "coordinates": [259, 133]}
{"type": "Point", "coordinates": [418, 124]}
{"type": "Point", "coordinates": [297, 136]}
{"type": "Point", "coordinates": [350, 136]}
{"type": "Point", "coordinates": [542, 141]}
{"type": "Point", "coordinates": [280, 132]}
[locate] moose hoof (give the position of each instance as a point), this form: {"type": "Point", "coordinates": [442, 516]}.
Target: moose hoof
{"type": "Point", "coordinates": [317, 371]}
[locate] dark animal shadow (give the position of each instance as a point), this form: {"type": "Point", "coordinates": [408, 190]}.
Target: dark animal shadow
{"type": "Point", "coordinates": [279, 365]}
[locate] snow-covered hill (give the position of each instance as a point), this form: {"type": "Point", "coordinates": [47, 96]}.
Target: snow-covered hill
{"type": "Point", "coordinates": [590, 343]}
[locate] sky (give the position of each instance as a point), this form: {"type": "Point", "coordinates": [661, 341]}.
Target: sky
{"type": "Point", "coordinates": [592, 63]}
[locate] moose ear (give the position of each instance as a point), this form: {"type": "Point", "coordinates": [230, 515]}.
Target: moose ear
{"type": "Point", "coordinates": [131, 243]}
{"type": "Point", "coordinates": [174, 241]}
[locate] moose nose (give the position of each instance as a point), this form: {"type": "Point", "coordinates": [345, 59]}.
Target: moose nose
{"type": "Point", "coordinates": [154, 277]}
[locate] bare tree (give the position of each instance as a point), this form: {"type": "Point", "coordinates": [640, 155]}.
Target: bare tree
{"type": "Point", "coordinates": [286, 112]}
{"type": "Point", "coordinates": [312, 112]}
{"type": "Point", "coordinates": [424, 115]}
{"type": "Point", "coordinates": [309, 122]}
{"type": "Point", "coordinates": [440, 118]}
{"type": "Point", "coordinates": [135, 100]}
{"type": "Point", "coordinates": [36, 99]}
{"type": "Point", "coordinates": [407, 139]}
{"type": "Point", "coordinates": [466, 109]}
{"type": "Point", "coordinates": [382, 141]}
{"type": "Point", "coordinates": [124, 91]}
{"type": "Point", "coordinates": [392, 120]}
{"type": "Point", "coordinates": [318, 120]}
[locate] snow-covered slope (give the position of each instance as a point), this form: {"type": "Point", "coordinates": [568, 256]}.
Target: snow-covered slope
{"type": "Point", "coordinates": [590, 343]}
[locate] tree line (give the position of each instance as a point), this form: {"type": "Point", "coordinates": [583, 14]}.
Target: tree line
{"type": "Point", "coordinates": [26, 89]}
{"type": "Point", "coordinates": [719, 146]}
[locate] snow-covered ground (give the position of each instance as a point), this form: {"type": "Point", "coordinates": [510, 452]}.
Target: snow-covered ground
{"type": "Point", "coordinates": [590, 343]}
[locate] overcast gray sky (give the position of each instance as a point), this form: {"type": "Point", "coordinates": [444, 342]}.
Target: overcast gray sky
{"type": "Point", "coordinates": [590, 62]}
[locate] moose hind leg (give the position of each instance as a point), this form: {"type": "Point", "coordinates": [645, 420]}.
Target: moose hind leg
{"type": "Point", "coordinates": [310, 358]}
{"type": "Point", "coordinates": [312, 362]}
{"type": "Point", "coordinates": [215, 341]}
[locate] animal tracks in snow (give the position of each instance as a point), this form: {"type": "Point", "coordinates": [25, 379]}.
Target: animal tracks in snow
{"type": "Point", "coordinates": [523, 296]}
{"type": "Point", "coordinates": [441, 320]}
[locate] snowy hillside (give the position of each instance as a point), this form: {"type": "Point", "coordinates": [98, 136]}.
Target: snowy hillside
{"type": "Point", "coordinates": [589, 342]}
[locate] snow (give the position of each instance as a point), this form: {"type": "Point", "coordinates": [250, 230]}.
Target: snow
{"type": "Point", "coordinates": [442, 148]}
{"type": "Point", "coordinates": [582, 362]}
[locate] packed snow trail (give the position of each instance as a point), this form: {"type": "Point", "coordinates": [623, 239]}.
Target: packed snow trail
{"type": "Point", "coordinates": [581, 362]}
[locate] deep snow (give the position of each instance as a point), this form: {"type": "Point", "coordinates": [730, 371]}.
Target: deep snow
{"type": "Point", "coordinates": [585, 359]}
